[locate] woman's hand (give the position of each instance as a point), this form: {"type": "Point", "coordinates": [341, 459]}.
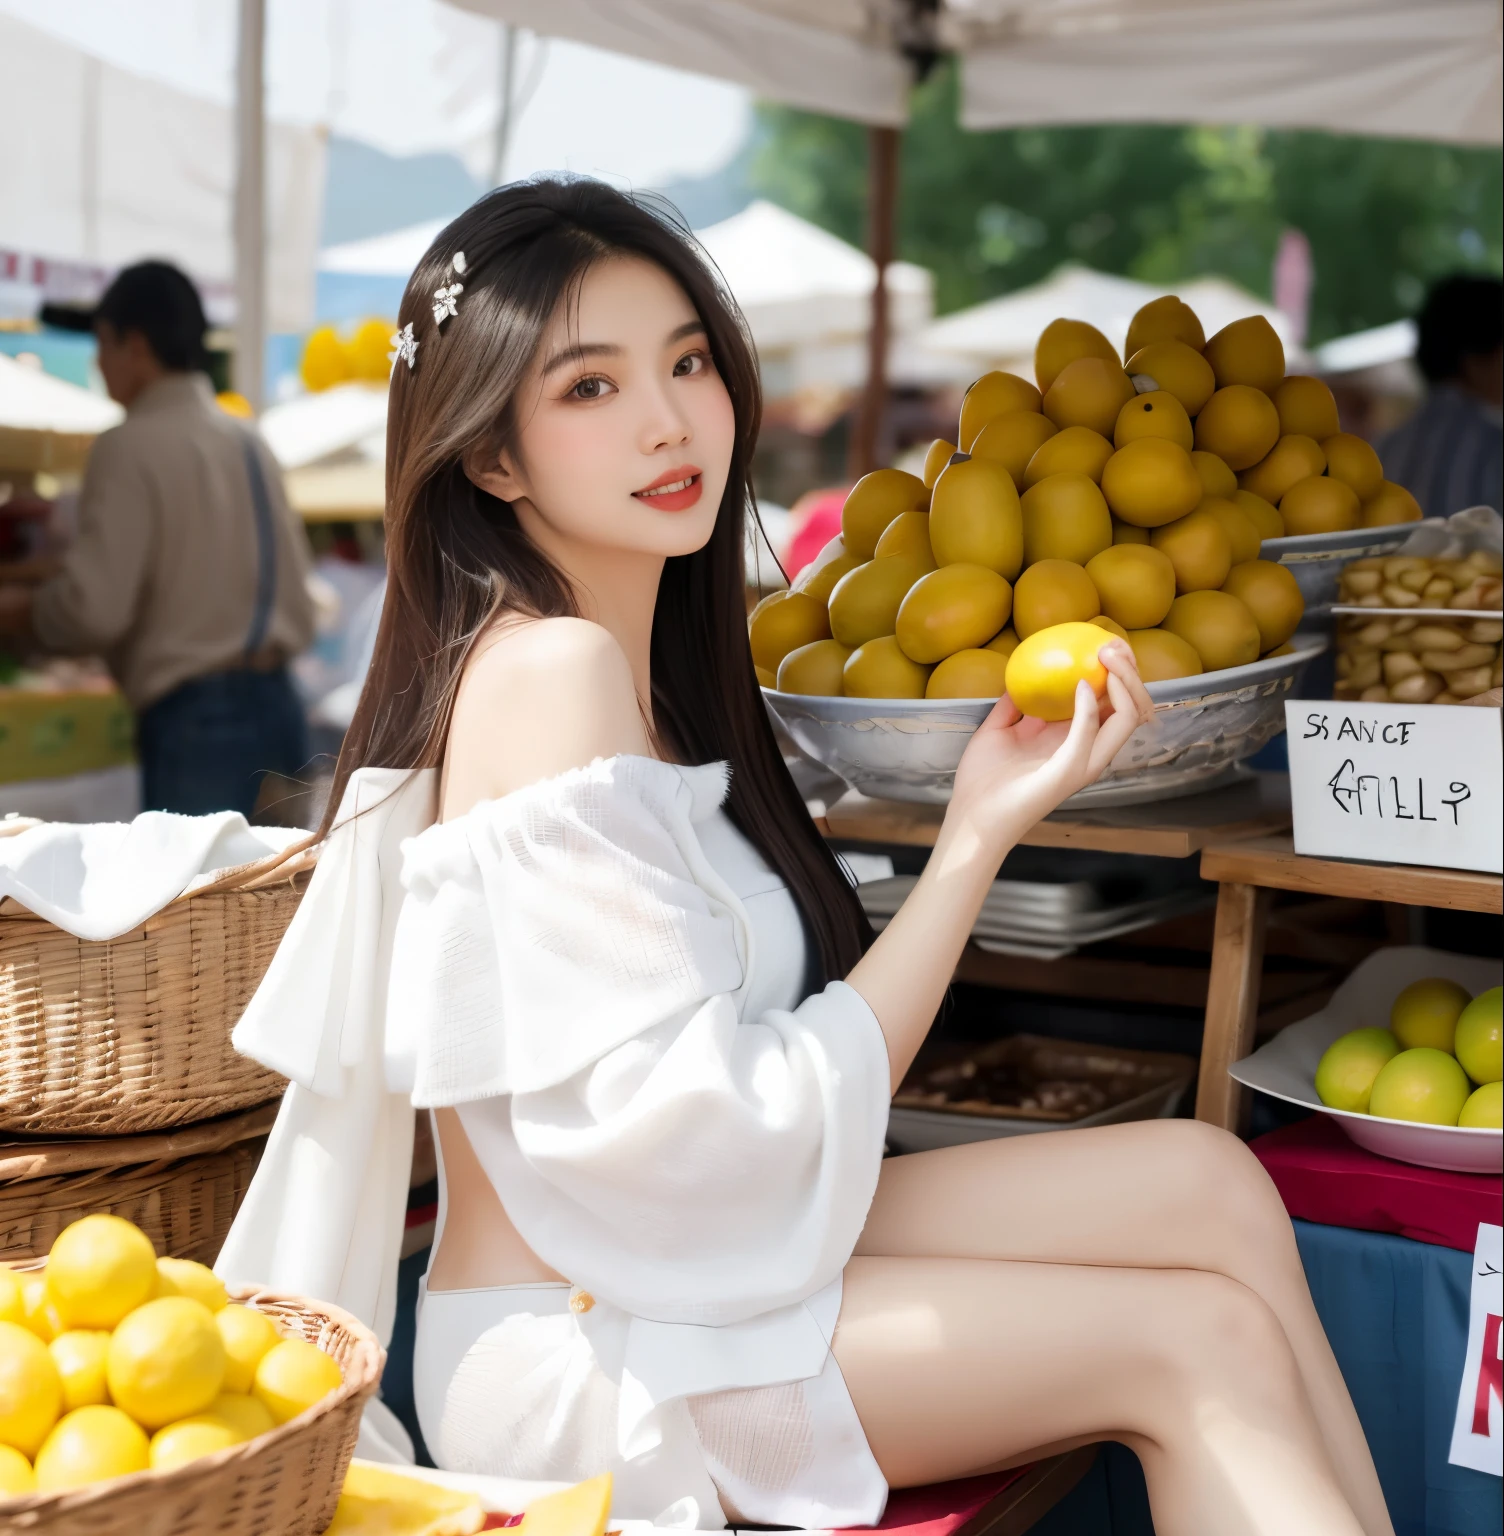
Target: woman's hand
{"type": "Point", "coordinates": [1017, 769]}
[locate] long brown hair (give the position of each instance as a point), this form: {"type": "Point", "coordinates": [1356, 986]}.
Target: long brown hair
{"type": "Point", "coordinates": [457, 557]}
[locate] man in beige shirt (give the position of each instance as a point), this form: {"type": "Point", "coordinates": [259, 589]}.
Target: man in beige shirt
{"type": "Point", "coordinates": [188, 569]}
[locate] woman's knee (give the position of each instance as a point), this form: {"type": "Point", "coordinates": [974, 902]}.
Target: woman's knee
{"type": "Point", "coordinates": [1217, 1332]}
{"type": "Point", "coordinates": [1221, 1183]}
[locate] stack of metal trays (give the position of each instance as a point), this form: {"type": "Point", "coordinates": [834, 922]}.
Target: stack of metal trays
{"type": "Point", "coordinates": [1052, 907]}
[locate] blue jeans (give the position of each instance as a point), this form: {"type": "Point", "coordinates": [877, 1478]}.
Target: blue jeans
{"type": "Point", "coordinates": [205, 745]}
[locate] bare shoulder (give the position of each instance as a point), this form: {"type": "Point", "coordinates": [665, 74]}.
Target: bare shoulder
{"type": "Point", "coordinates": [537, 698]}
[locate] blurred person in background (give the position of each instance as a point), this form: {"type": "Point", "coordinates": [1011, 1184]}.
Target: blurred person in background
{"type": "Point", "coordinates": [187, 572]}
{"type": "Point", "coordinates": [1450, 453]}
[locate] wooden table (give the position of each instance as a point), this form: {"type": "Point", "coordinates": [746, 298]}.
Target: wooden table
{"type": "Point", "coordinates": [1246, 872]}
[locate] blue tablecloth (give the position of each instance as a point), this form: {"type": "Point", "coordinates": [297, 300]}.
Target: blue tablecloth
{"type": "Point", "coordinates": [1396, 1313]}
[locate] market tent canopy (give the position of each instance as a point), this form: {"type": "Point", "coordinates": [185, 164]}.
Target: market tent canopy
{"type": "Point", "coordinates": [1389, 67]}
{"type": "Point", "coordinates": [1002, 332]}
{"type": "Point", "coordinates": [47, 423]}
{"type": "Point", "coordinates": [103, 167]}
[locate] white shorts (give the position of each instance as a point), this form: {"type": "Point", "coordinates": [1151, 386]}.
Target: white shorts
{"type": "Point", "coordinates": [508, 1381]}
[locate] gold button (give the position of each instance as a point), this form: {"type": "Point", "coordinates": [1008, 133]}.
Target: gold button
{"type": "Point", "coordinates": [580, 1301]}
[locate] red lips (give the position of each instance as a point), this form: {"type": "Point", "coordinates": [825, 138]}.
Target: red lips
{"type": "Point", "coordinates": [673, 491]}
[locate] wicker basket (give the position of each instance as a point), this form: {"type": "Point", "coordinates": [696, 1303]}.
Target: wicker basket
{"type": "Point", "coordinates": [133, 1033]}
{"type": "Point", "coordinates": [182, 1188]}
{"type": "Point", "coordinates": [282, 1484]}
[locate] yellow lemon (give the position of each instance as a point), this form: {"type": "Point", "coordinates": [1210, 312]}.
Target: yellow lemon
{"type": "Point", "coordinates": [1319, 504]}
{"type": "Point", "coordinates": [1306, 406]}
{"type": "Point", "coordinates": [781, 623]}
{"type": "Point", "coordinates": [247, 1335]}
{"type": "Point", "coordinates": [326, 360]}
{"type": "Point", "coordinates": [1249, 352]}
{"type": "Point", "coordinates": [1162, 657]}
{"type": "Point", "coordinates": [1088, 393]}
{"type": "Point", "coordinates": [813, 669]}
{"type": "Point", "coordinates": [579, 1511]}
{"type": "Point", "coordinates": [873, 502]}
{"type": "Point", "coordinates": [880, 670]}
{"type": "Point", "coordinates": [1347, 1069]}
{"type": "Point", "coordinates": [187, 1277]}
{"type": "Point", "coordinates": [1110, 625]}
{"type": "Point", "coordinates": [166, 1361]}
{"type": "Point", "coordinates": [16, 1477]}
{"type": "Point", "coordinates": [380, 1501]}
{"type": "Point", "coordinates": [1065, 518]}
{"type": "Point", "coordinates": [1424, 1085]}
{"type": "Point", "coordinates": [248, 1414]}
{"type": "Point", "coordinates": [819, 577]}
{"type": "Point", "coordinates": [99, 1269]}
{"type": "Point", "coordinates": [90, 1445]}
{"type": "Point", "coordinates": [31, 1395]}
{"type": "Point", "coordinates": [1216, 478]}
{"type": "Point", "coordinates": [1150, 482]}
{"type": "Point", "coordinates": [1484, 1109]}
{"type": "Point", "coordinates": [294, 1375]}
{"type": "Point", "coordinates": [12, 1297]}
{"type": "Point", "coordinates": [79, 1356]}
{"type": "Point", "coordinates": [1135, 582]}
{"type": "Point", "coordinates": [1175, 368]}
{"type": "Point", "coordinates": [368, 351]}
{"type": "Point", "coordinates": [186, 1440]}
{"type": "Point", "coordinates": [40, 1311]}
{"type": "Point", "coordinates": [1217, 626]}
{"type": "Point", "coordinates": [1262, 514]}
{"type": "Point", "coordinates": [936, 457]}
{"type": "Point", "coordinates": [1479, 1041]}
{"type": "Point", "coordinates": [1045, 669]}
{"type": "Point", "coordinates": [1061, 343]}
{"type": "Point", "coordinates": [994, 394]}
{"type": "Point", "coordinates": [1076, 451]}
{"type": "Point", "coordinates": [1354, 462]}
{"type": "Point", "coordinates": [1426, 1013]}
{"type": "Point", "coordinates": [1272, 596]}
{"type": "Point", "coordinates": [1053, 592]}
{"type": "Point", "coordinates": [1391, 503]}
{"type": "Point", "coordinates": [971, 674]}
{"type": "Point", "coordinates": [908, 535]}
{"type": "Point", "coordinates": [1239, 424]}
{"type": "Point", "coordinates": [1153, 414]}
{"type": "Point", "coordinates": [1164, 319]}
{"type": "Point", "coordinates": [1292, 458]}
{"type": "Point", "coordinates": [1008, 442]}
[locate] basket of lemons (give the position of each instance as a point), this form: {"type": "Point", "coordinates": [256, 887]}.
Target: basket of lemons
{"type": "Point", "coordinates": [1163, 499]}
{"type": "Point", "coordinates": [139, 1397]}
{"type": "Point", "coordinates": [1406, 1057]}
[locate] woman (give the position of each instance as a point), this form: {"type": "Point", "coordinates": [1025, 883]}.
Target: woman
{"type": "Point", "coordinates": [642, 1004]}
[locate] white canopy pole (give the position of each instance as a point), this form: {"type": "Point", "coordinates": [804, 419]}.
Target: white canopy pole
{"type": "Point", "coordinates": [250, 204]}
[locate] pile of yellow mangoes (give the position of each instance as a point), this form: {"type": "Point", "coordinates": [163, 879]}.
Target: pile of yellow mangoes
{"type": "Point", "coordinates": [113, 1361]}
{"type": "Point", "coordinates": [1440, 1061]}
{"type": "Point", "coordinates": [1133, 496]}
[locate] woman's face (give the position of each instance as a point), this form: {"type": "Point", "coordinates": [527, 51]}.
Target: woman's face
{"type": "Point", "coordinates": [624, 428]}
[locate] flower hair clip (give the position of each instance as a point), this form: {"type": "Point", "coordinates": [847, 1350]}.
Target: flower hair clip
{"type": "Point", "coordinates": [446, 295]}
{"type": "Point", "coordinates": [404, 347]}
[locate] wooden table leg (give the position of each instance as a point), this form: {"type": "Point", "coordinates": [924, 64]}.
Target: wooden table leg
{"type": "Point", "coordinates": [1232, 1001]}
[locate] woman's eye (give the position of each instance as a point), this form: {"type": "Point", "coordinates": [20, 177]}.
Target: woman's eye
{"type": "Point", "coordinates": [690, 363]}
{"type": "Point", "coordinates": [590, 389]}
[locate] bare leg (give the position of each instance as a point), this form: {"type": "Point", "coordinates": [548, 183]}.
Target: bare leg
{"type": "Point", "coordinates": [959, 1364]}
{"type": "Point", "coordinates": [1154, 1195]}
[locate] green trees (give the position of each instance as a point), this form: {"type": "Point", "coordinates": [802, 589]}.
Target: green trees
{"type": "Point", "coordinates": [991, 212]}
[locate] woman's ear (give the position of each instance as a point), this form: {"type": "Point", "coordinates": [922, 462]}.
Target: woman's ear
{"type": "Point", "coordinates": [496, 474]}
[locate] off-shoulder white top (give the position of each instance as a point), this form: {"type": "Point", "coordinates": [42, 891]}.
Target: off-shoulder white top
{"type": "Point", "coordinates": [687, 1139]}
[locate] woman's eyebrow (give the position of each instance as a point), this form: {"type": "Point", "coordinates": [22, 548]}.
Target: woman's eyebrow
{"type": "Point", "coordinates": [578, 354]}
{"type": "Point", "coordinates": [695, 327]}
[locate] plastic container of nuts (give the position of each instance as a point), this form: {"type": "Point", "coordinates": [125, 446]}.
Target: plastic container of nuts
{"type": "Point", "coordinates": [1424, 625]}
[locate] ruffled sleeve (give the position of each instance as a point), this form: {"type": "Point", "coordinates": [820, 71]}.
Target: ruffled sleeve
{"type": "Point", "coordinates": [572, 972]}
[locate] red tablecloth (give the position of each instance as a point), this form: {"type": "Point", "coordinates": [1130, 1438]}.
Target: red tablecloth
{"type": "Point", "coordinates": [1322, 1176]}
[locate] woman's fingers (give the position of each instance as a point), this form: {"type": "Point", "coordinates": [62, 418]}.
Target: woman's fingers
{"type": "Point", "coordinates": [1074, 754]}
{"type": "Point", "coordinates": [1115, 733]}
{"type": "Point", "coordinates": [1121, 663]}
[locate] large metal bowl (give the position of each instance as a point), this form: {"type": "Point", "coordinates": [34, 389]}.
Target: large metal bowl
{"type": "Point", "coordinates": [1316, 559]}
{"type": "Point", "coordinates": [907, 749]}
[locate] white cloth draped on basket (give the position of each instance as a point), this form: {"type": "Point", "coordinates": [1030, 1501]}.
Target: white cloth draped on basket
{"type": "Point", "coordinates": [569, 956]}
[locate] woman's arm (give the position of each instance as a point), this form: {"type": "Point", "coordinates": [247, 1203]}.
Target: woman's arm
{"type": "Point", "coordinates": [1014, 772]}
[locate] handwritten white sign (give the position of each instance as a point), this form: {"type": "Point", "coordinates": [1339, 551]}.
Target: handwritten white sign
{"type": "Point", "coordinates": [1397, 783]}
{"type": "Point", "coordinates": [1478, 1433]}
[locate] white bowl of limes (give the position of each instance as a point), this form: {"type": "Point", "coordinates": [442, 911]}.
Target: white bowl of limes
{"type": "Point", "coordinates": [1401, 1097]}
